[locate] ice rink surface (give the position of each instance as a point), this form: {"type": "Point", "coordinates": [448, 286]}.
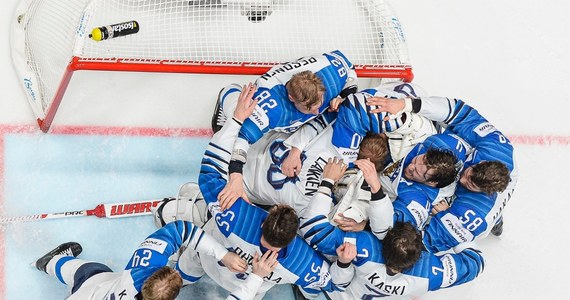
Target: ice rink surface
{"type": "Point", "coordinates": [121, 137]}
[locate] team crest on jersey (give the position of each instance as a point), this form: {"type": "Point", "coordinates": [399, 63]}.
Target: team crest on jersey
{"type": "Point", "coordinates": [390, 170]}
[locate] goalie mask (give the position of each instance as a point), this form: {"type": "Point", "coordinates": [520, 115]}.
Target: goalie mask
{"type": "Point", "coordinates": [189, 205]}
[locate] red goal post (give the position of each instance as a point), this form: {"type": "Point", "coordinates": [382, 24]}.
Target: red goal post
{"type": "Point", "coordinates": [50, 39]}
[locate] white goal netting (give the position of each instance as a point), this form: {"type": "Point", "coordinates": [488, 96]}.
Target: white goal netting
{"type": "Point", "coordinates": [201, 36]}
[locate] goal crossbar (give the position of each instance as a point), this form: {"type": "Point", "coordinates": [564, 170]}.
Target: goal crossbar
{"type": "Point", "coordinates": [50, 39]}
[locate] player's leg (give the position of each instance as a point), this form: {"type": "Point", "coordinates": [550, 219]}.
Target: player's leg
{"type": "Point", "coordinates": [497, 230]}
{"type": "Point", "coordinates": [189, 205]}
{"type": "Point", "coordinates": [225, 105]}
{"type": "Point", "coordinates": [189, 267]}
{"type": "Point", "coordinates": [70, 249]}
{"type": "Point", "coordinates": [62, 263]}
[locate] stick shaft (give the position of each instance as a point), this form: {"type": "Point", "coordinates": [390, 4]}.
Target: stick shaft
{"type": "Point", "coordinates": [114, 210]}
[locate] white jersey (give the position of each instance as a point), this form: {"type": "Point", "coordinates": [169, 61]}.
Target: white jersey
{"type": "Point", "coordinates": [109, 280]}
{"type": "Point", "coordinates": [370, 279]}
{"type": "Point", "coordinates": [275, 111]}
{"type": "Point", "coordinates": [232, 281]}
{"type": "Point", "coordinates": [266, 184]}
{"type": "Point", "coordinates": [413, 200]}
{"type": "Point", "coordinates": [238, 228]}
{"type": "Point", "coordinates": [151, 255]}
{"type": "Point", "coordinates": [472, 214]}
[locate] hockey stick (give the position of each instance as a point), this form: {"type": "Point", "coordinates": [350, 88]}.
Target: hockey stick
{"type": "Point", "coordinates": [115, 210]}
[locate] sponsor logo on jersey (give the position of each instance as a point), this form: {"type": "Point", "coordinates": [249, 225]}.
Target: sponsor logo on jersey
{"type": "Point", "coordinates": [484, 129]}
{"type": "Point", "coordinates": [350, 155]}
{"type": "Point", "coordinates": [454, 227]}
{"type": "Point", "coordinates": [288, 67]}
{"type": "Point", "coordinates": [154, 244]}
{"type": "Point", "coordinates": [296, 121]}
{"type": "Point", "coordinates": [259, 118]}
{"type": "Point", "coordinates": [382, 288]}
{"type": "Point", "coordinates": [505, 196]}
{"type": "Point", "coordinates": [419, 213]}
{"type": "Point", "coordinates": [450, 271]}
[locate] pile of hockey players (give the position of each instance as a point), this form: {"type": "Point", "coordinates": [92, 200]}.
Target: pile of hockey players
{"type": "Point", "coordinates": [308, 181]}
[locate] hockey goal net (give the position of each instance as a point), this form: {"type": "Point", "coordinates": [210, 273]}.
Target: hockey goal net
{"type": "Point", "coordinates": [50, 39]}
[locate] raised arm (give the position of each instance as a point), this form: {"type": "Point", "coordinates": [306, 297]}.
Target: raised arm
{"type": "Point", "coordinates": [300, 139]}
{"type": "Point", "coordinates": [459, 118]}
{"type": "Point", "coordinates": [217, 164]}
{"type": "Point", "coordinates": [315, 227]}
{"type": "Point", "coordinates": [381, 210]}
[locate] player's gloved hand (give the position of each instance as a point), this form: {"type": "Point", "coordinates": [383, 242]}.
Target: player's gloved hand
{"type": "Point", "coordinates": [246, 104]}
{"type": "Point", "coordinates": [334, 104]}
{"type": "Point", "coordinates": [234, 262]}
{"type": "Point", "coordinates": [349, 224]}
{"type": "Point", "coordinates": [346, 252]}
{"type": "Point", "coordinates": [370, 174]}
{"type": "Point", "coordinates": [291, 166]}
{"type": "Point", "coordinates": [334, 169]}
{"type": "Point", "coordinates": [232, 191]}
{"type": "Point", "coordinates": [264, 265]}
{"type": "Point", "coordinates": [440, 206]}
{"type": "Point", "coordinates": [396, 107]}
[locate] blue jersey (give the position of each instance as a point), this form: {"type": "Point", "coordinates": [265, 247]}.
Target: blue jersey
{"type": "Point", "coordinates": [490, 143]}
{"type": "Point", "coordinates": [240, 226]}
{"type": "Point", "coordinates": [370, 280]}
{"type": "Point", "coordinates": [413, 200]}
{"type": "Point", "coordinates": [154, 251]}
{"type": "Point", "coordinates": [275, 111]}
{"type": "Point", "coordinates": [151, 255]}
{"type": "Point", "coordinates": [472, 214]}
{"type": "Point", "coordinates": [354, 119]}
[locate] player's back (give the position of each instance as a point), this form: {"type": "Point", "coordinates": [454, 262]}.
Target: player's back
{"type": "Point", "coordinates": [239, 228]}
{"type": "Point", "coordinates": [266, 183]}
{"type": "Point", "coordinates": [276, 111]}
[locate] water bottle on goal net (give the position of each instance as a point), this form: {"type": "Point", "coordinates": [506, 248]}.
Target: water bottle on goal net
{"type": "Point", "coordinates": [115, 30]}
